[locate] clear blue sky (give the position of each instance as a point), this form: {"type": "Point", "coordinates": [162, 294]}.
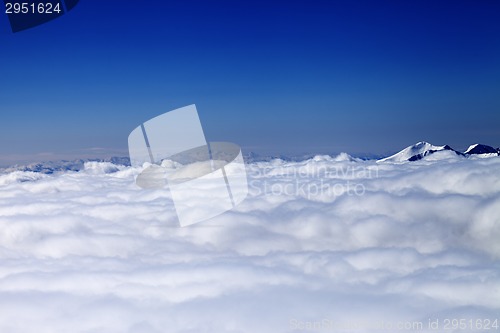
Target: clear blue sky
{"type": "Point", "coordinates": [272, 76]}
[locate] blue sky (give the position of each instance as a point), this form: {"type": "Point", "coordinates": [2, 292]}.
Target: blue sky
{"type": "Point", "coordinates": [283, 77]}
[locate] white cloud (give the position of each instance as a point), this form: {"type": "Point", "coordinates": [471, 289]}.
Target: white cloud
{"type": "Point", "coordinates": [328, 238]}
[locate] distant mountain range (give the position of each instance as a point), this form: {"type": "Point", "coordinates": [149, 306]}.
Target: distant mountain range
{"type": "Point", "coordinates": [63, 165]}
{"type": "Point", "coordinates": [415, 152]}
{"type": "Point", "coordinates": [422, 149]}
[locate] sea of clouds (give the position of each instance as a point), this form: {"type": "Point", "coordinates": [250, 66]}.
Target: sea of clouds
{"type": "Point", "coordinates": [328, 244]}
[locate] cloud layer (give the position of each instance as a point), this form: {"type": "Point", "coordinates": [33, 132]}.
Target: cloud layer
{"type": "Point", "coordinates": [322, 241]}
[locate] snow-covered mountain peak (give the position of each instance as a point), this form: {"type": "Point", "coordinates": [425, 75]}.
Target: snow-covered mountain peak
{"type": "Point", "coordinates": [480, 149]}
{"type": "Point", "coordinates": [415, 152]}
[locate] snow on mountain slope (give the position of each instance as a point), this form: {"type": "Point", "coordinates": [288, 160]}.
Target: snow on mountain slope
{"type": "Point", "coordinates": [480, 149]}
{"type": "Point", "coordinates": [419, 151]}
{"type": "Point", "coordinates": [331, 238]}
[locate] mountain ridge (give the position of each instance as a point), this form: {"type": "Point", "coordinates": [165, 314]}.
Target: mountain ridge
{"type": "Point", "coordinates": [423, 149]}
{"type": "Point", "coordinates": [412, 153]}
